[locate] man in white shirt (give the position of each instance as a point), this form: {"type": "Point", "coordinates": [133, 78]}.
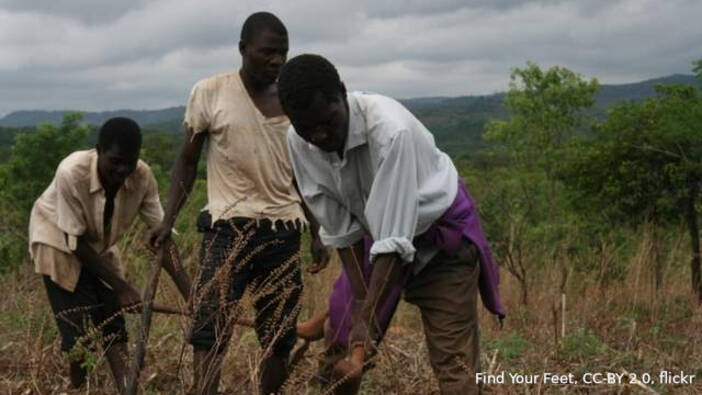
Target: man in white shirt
{"type": "Point", "coordinates": [371, 174]}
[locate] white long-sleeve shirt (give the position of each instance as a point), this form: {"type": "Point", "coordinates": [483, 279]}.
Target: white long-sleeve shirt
{"type": "Point", "coordinates": [393, 182]}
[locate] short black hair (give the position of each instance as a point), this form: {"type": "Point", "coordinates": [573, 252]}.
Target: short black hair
{"type": "Point", "coordinates": [302, 77]}
{"type": "Point", "coordinates": [260, 21]}
{"type": "Point", "coordinates": [120, 131]}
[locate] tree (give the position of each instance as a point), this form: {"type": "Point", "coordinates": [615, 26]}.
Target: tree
{"type": "Point", "coordinates": [546, 108]}
{"type": "Point", "coordinates": [512, 207]}
{"type": "Point", "coordinates": [158, 149]}
{"type": "Point", "coordinates": [697, 68]}
{"type": "Point", "coordinates": [644, 164]}
{"type": "Point", "coordinates": [25, 175]}
{"type": "Point", "coordinates": [681, 124]}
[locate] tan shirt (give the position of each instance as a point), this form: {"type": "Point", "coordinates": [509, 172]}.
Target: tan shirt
{"type": "Point", "coordinates": [73, 206]}
{"type": "Point", "coordinates": [248, 168]}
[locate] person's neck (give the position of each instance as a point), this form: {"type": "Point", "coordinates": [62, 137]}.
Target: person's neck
{"type": "Point", "coordinates": [252, 86]}
{"type": "Point", "coordinates": [110, 191]}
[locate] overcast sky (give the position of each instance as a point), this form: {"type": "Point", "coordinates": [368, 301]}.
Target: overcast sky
{"type": "Point", "coordinates": [146, 54]}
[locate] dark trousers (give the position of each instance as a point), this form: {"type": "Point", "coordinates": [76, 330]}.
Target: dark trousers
{"type": "Point", "coordinates": [446, 292]}
{"type": "Point", "coordinates": [88, 314]}
{"type": "Point", "coordinates": [239, 255]}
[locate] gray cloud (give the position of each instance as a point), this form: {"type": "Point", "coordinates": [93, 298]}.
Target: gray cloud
{"type": "Point", "coordinates": [89, 12]}
{"type": "Point", "coordinates": [147, 54]}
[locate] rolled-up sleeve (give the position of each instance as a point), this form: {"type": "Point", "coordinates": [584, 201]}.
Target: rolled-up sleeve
{"type": "Point", "coordinates": [393, 203]}
{"type": "Point", "coordinates": [151, 211]}
{"type": "Point", "coordinates": [70, 218]}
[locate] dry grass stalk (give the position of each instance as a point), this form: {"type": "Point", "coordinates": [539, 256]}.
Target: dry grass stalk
{"type": "Point", "coordinates": [665, 334]}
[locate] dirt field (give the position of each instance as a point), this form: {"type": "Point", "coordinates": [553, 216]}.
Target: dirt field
{"type": "Point", "coordinates": [609, 327]}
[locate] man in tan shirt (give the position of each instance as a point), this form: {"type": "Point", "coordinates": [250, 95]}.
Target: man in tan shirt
{"type": "Point", "coordinates": [254, 215]}
{"type": "Point", "coordinates": [74, 227]}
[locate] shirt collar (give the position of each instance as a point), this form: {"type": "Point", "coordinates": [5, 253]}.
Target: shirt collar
{"type": "Point", "coordinates": [356, 135]}
{"type": "Point", "coordinates": [95, 184]}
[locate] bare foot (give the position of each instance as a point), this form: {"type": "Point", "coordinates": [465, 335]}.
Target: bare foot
{"type": "Point", "coordinates": [347, 368]}
{"type": "Point", "coordinates": [313, 329]}
{"type": "Point", "coordinates": [351, 367]}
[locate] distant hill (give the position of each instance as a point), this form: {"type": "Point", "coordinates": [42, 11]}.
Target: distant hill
{"type": "Point", "coordinates": [459, 122]}
{"type": "Point", "coordinates": [456, 122]}
{"type": "Point", "coordinates": [610, 94]}
{"type": "Point", "coordinates": [143, 117]}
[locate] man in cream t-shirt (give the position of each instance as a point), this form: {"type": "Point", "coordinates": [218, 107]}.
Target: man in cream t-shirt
{"type": "Point", "coordinates": [252, 222]}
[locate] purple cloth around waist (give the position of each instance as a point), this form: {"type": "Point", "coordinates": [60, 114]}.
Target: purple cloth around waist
{"type": "Point", "coordinates": [459, 221]}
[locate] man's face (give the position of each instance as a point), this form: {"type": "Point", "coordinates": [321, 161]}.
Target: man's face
{"type": "Point", "coordinates": [115, 164]}
{"type": "Point", "coordinates": [325, 123]}
{"type": "Point", "coordinates": [264, 55]}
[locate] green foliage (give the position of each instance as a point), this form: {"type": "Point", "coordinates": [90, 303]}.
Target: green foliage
{"type": "Point", "coordinates": [641, 161]}
{"type": "Point", "coordinates": [512, 207]}
{"type": "Point", "coordinates": [457, 123]}
{"type": "Point", "coordinates": [613, 174]}
{"type": "Point", "coordinates": [697, 68]}
{"type": "Point", "coordinates": [35, 157]}
{"type": "Point", "coordinates": [545, 108]}
{"type": "Point", "coordinates": [582, 344]}
{"type": "Point", "coordinates": [81, 353]}
{"type": "Point", "coordinates": [510, 347]}
{"type": "Point", "coordinates": [523, 214]}
{"type": "Point", "coordinates": [26, 174]}
{"type": "Point", "coordinates": [681, 137]}
{"type": "Point", "coordinates": [7, 138]}
{"type": "Point", "coordinates": [644, 165]}
{"type": "Point", "coordinates": [624, 359]}
{"type": "Point", "coordinates": [158, 150]}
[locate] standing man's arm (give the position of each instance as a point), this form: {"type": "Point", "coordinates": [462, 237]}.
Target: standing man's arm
{"type": "Point", "coordinates": [182, 180]}
{"type": "Point", "coordinates": [151, 213]}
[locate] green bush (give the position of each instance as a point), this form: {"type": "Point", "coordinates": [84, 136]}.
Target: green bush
{"type": "Point", "coordinates": [510, 347]}
{"type": "Point", "coordinates": [582, 344]}
{"type": "Point", "coordinates": [26, 174]}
